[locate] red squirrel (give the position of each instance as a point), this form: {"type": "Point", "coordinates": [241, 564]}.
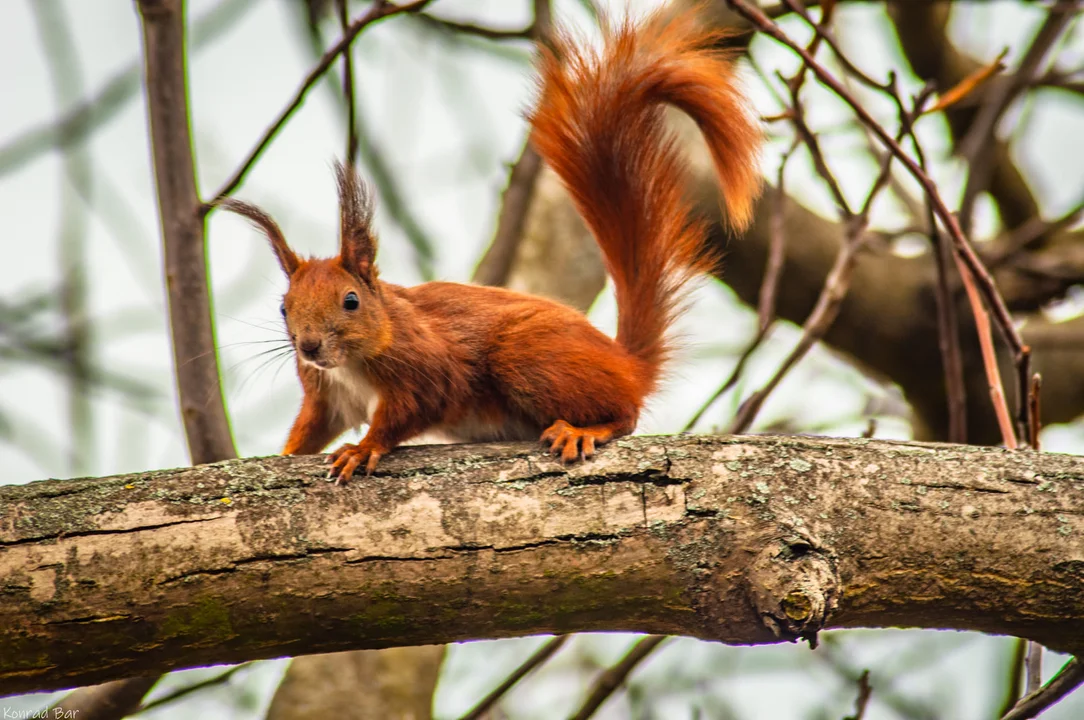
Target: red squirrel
{"type": "Point", "coordinates": [483, 363]}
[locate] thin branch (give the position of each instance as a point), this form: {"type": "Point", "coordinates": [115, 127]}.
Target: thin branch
{"type": "Point", "coordinates": [378, 11]}
{"type": "Point", "coordinates": [612, 678]}
{"type": "Point", "coordinates": [1025, 235]}
{"type": "Point", "coordinates": [948, 325]}
{"type": "Point", "coordinates": [975, 146]}
{"type": "Point", "coordinates": [963, 247]}
{"type": "Point", "coordinates": [348, 90]}
{"type": "Point", "coordinates": [379, 171]}
{"type": "Point", "coordinates": [219, 679]}
{"type": "Point", "coordinates": [862, 701]}
{"type": "Point", "coordinates": [989, 356]}
{"type": "Point", "coordinates": [1068, 679]}
{"type": "Point", "coordinates": [837, 283]}
{"type": "Point", "coordinates": [529, 665]}
{"type": "Point", "coordinates": [477, 30]}
{"type": "Point", "coordinates": [769, 288]}
{"type": "Point", "coordinates": [986, 283]}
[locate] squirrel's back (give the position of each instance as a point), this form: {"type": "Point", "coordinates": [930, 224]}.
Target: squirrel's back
{"type": "Point", "coordinates": [599, 124]}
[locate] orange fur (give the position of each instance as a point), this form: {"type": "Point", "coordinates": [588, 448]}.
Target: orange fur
{"type": "Point", "coordinates": [478, 363]}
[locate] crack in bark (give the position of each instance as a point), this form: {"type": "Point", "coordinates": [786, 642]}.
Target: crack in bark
{"type": "Point", "coordinates": [235, 564]}
{"type": "Point", "coordinates": [113, 531]}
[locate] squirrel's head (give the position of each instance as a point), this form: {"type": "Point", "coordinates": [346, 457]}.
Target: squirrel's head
{"type": "Point", "coordinates": [333, 308]}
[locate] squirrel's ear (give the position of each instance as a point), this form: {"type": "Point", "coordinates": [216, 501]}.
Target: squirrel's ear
{"type": "Point", "coordinates": [357, 243]}
{"type": "Point", "coordinates": [287, 258]}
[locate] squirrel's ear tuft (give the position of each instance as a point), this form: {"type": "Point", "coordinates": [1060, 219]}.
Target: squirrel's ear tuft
{"type": "Point", "coordinates": [357, 243]}
{"type": "Point", "coordinates": [287, 258]}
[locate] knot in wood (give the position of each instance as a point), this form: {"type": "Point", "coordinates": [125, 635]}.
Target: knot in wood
{"type": "Point", "coordinates": [794, 587]}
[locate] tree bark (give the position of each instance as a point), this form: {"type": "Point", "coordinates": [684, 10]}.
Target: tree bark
{"type": "Point", "coordinates": [735, 539]}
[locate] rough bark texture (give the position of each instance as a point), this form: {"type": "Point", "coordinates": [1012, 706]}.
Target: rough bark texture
{"type": "Point", "coordinates": [737, 539]}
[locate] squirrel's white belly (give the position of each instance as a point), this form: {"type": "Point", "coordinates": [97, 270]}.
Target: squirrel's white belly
{"type": "Point", "coordinates": [353, 398]}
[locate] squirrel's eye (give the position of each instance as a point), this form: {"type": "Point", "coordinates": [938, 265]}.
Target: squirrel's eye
{"type": "Point", "coordinates": [282, 309]}
{"type": "Point", "coordinates": [350, 302]}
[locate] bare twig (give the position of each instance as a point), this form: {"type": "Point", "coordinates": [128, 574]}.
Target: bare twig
{"type": "Point", "coordinates": [965, 251]}
{"type": "Point", "coordinates": [948, 326]}
{"type": "Point", "coordinates": [862, 701]}
{"type": "Point", "coordinates": [477, 30]}
{"type": "Point", "coordinates": [1025, 235]}
{"type": "Point", "coordinates": [1036, 417]}
{"type": "Point", "coordinates": [769, 289]}
{"type": "Point", "coordinates": [838, 281]}
{"type": "Point", "coordinates": [1068, 679]}
{"type": "Point", "coordinates": [529, 665]}
{"type": "Point", "coordinates": [378, 11]}
{"type": "Point", "coordinates": [985, 282]}
{"type": "Point", "coordinates": [989, 356]}
{"type": "Point", "coordinates": [975, 146]}
{"type": "Point", "coordinates": [613, 677]}
{"type": "Point", "coordinates": [379, 171]}
{"type": "Point", "coordinates": [348, 90]}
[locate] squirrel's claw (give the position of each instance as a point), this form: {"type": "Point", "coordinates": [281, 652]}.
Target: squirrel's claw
{"type": "Point", "coordinates": [348, 458]}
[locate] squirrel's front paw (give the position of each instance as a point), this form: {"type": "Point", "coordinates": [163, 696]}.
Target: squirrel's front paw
{"type": "Point", "coordinates": [349, 457]}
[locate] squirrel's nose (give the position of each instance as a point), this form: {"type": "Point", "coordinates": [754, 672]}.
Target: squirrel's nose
{"type": "Point", "coordinates": [309, 347]}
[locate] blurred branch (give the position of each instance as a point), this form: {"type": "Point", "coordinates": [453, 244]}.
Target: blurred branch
{"type": "Point", "coordinates": [528, 666]}
{"type": "Point", "coordinates": [58, 44]}
{"type": "Point", "coordinates": [922, 28]}
{"type": "Point", "coordinates": [862, 701]}
{"type": "Point", "coordinates": [81, 121]}
{"type": "Point", "coordinates": [379, 11]}
{"type": "Point", "coordinates": [496, 264]}
{"type": "Point", "coordinates": [612, 678]}
{"type": "Point", "coordinates": [181, 692]}
{"type": "Point", "coordinates": [1016, 674]}
{"type": "Point", "coordinates": [481, 31]}
{"type": "Point", "coordinates": [977, 147]}
{"type": "Point", "coordinates": [348, 89]}
{"type": "Point", "coordinates": [108, 701]}
{"type": "Point", "coordinates": [1068, 679]}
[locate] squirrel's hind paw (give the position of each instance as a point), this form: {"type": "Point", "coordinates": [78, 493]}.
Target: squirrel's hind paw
{"type": "Point", "coordinates": [573, 443]}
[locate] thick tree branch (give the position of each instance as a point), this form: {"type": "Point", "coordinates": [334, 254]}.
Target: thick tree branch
{"type": "Point", "coordinates": [737, 539]}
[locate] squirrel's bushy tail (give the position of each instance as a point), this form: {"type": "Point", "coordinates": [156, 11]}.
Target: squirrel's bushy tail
{"type": "Point", "coordinates": [599, 124]}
